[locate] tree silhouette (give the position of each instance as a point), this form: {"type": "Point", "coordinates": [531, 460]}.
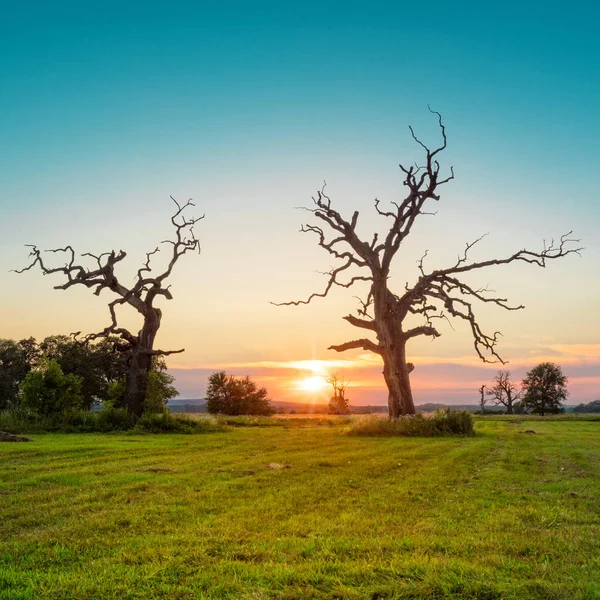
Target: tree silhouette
{"type": "Point", "coordinates": [545, 389]}
{"type": "Point", "coordinates": [435, 294]}
{"type": "Point", "coordinates": [504, 392]}
{"type": "Point", "coordinates": [139, 347]}
{"type": "Point", "coordinates": [338, 403]}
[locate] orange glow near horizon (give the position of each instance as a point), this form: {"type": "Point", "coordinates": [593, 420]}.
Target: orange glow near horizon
{"type": "Point", "coordinates": [311, 384]}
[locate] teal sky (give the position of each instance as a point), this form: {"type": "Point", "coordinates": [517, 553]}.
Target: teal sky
{"type": "Point", "coordinates": [106, 109]}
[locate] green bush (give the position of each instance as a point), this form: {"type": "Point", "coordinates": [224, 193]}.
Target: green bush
{"type": "Point", "coordinates": [442, 422]}
{"type": "Point", "coordinates": [49, 392]}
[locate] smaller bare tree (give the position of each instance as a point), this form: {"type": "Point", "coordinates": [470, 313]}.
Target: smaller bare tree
{"type": "Point", "coordinates": [139, 347]}
{"type": "Point", "coordinates": [482, 399]}
{"type": "Point", "coordinates": [338, 404]}
{"type": "Point", "coordinates": [504, 392]}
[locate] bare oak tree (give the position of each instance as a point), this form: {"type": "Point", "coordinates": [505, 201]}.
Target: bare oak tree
{"type": "Point", "coordinates": [338, 404]}
{"type": "Point", "coordinates": [504, 392]}
{"type": "Point", "coordinates": [139, 347]}
{"type": "Point", "coordinates": [436, 294]}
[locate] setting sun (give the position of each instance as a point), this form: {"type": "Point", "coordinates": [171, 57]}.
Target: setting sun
{"type": "Point", "coordinates": [312, 384]}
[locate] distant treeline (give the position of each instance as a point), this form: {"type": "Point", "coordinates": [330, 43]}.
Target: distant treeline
{"type": "Point", "coordinates": [590, 407]}
{"type": "Point", "coordinates": [287, 408]}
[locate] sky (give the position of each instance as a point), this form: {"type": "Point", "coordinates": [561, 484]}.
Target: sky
{"type": "Point", "coordinates": [248, 107]}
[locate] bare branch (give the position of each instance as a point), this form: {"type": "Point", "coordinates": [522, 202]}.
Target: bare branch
{"type": "Point", "coordinates": [364, 343]}
{"type": "Point", "coordinates": [361, 322]}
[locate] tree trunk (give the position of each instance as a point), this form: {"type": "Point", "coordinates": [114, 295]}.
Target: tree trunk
{"type": "Point", "coordinates": [136, 385]}
{"type": "Point", "coordinates": [396, 374]}
{"type": "Point", "coordinates": [140, 364]}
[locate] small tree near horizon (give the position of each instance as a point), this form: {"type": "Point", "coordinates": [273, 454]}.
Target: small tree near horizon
{"type": "Point", "coordinates": [338, 403]}
{"type": "Point", "coordinates": [230, 395]}
{"type": "Point", "coordinates": [482, 398]}
{"type": "Point", "coordinates": [504, 392]}
{"type": "Point", "coordinates": [545, 389]}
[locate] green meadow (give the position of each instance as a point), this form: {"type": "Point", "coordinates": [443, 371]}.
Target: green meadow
{"type": "Point", "coordinates": [300, 509]}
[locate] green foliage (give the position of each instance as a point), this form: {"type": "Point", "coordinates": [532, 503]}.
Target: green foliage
{"type": "Point", "coordinates": [442, 422]}
{"type": "Point", "coordinates": [230, 395]}
{"type": "Point", "coordinates": [99, 365]}
{"type": "Point", "coordinates": [16, 360]}
{"type": "Point", "coordinates": [48, 391]}
{"type": "Point", "coordinates": [545, 389]}
{"type": "Point", "coordinates": [108, 419]}
{"type": "Point", "coordinates": [169, 423]}
{"type": "Point", "coordinates": [159, 391]}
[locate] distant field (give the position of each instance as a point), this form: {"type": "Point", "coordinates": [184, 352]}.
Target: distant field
{"type": "Point", "coordinates": [502, 515]}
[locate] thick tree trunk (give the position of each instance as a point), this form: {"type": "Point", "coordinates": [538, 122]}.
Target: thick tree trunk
{"type": "Point", "coordinates": [396, 374]}
{"type": "Point", "coordinates": [392, 341]}
{"type": "Point", "coordinates": [136, 385]}
{"type": "Point", "coordinates": [140, 364]}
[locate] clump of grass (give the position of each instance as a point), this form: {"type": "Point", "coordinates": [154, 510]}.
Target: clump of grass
{"type": "Point", "coordinates": [249, 421]}
{"type": "Point", "coordinates": [282, 421]}
{"type": "Point", "coordinates": [103, 421]}
{"type": "Point", "coordinates": [442, 422]}
{"type": "Point", "coordinates": [23, 421]}
{"type": "Point", "coordinates": [169, 423]}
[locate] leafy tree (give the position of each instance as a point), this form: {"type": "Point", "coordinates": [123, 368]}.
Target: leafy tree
{"type": "Point", "coordinates": [545, 389]}
{"type": "Point", "coordinates": [16, 360]}
{"type": "Point", "coordinates": [159, 390]}
{"type": "Point", "coordinates": [97, 364]}
{"type": "Point", "coordinates": [48, 391]}
{"type": "Point", "coordinates": [440, 292]}
{"type": "Point", "coordinates": [338, 403]}
{"type": "Point", "coordinates": [504, 392]}
{"type": "Point", "coordinates": [230, 395]}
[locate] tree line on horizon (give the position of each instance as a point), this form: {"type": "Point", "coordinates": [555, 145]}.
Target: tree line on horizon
{"type": "Point", "coordinates": [394, 319]}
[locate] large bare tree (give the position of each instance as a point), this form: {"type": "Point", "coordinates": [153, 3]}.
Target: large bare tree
{"type": "Point", "coordinates": [440, 293]}
{"type": "Point", "coordinates": [141, 295]}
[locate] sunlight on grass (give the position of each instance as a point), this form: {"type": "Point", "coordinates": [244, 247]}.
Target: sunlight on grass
{"type": "Point", "coordinates": [298, 511]}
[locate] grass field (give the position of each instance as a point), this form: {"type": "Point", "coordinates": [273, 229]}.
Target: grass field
{"type": "Point", "coordinates": [500, 515]}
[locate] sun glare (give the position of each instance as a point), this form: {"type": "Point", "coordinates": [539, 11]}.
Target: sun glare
{"type": "Point", "coordinates": [312, 384]}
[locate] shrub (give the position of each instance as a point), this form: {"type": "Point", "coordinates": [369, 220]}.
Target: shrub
{"type": "Point", "coordinates": [442, 422]}
{"type": "Point", "coordinates": [48, 391]}
{"type": "Point", "coordinates": [114, 419]}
